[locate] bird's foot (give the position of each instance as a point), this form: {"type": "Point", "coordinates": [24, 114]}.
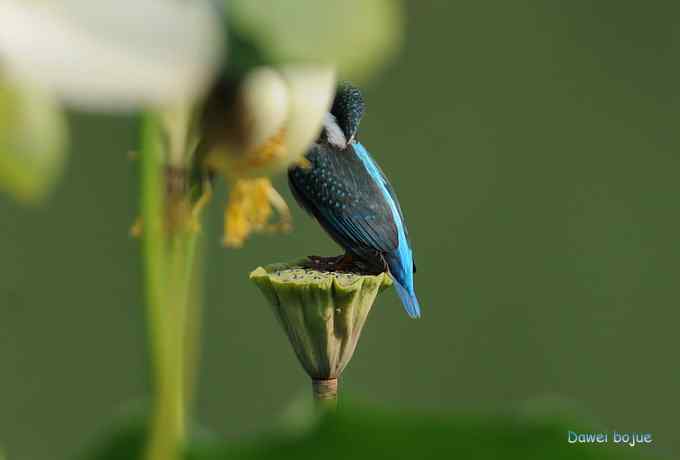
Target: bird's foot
{"type": "Point", "coordinates": [343, 263]}
{"type": "Point", "coordinates": [323, 264]}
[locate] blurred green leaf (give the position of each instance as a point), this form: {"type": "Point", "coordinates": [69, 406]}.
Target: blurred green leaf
{"type": "Point", "coordinates": [32, 141]}
{"type": "Point", "coordinates": [356, 35]}
{"type": "Point", "coordinates": [369, 433]}
{"type": "Point", "coordinates": [374, 434]}
{"type": "Point", "coordinates": [124, 438]}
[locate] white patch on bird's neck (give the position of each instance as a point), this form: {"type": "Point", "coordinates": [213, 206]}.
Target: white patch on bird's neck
{"type": "Point", "coordinates": [334, 134]}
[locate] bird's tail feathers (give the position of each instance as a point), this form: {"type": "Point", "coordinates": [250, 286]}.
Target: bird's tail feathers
{"type": "Point", "coordinates": [409, 299]}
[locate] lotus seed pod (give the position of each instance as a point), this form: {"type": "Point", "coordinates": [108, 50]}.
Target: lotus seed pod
{"type": "Point", "coordinates": [322, 313]}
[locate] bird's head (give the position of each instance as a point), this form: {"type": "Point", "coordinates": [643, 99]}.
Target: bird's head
{"type": "Point", "coordinates": [347, 111]}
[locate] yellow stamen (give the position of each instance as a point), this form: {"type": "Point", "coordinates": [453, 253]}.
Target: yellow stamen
{"type": "Point", "coordinates": [203, 200]}
{"type": "Point", "coordinates": [180, 215]}
{"type": "Point", "coordinates": [137, 228]}
{"type": "Point", "coordinates": [265, 155]}
{"type": "Point", "coordinates": [304, 164]}
{"type": "Point", "coordinates": [285, 223]}
{"type": "Point", "coordinates": [251, 204]}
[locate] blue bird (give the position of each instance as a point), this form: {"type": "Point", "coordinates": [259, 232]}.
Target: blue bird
{"type": "Point", "coordinates": [349, 195]}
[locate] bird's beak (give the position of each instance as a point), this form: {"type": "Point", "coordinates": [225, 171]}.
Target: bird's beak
{"type": "Point", "coordinates": [351, 139]}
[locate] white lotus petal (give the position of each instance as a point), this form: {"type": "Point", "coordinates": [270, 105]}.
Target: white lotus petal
{"type": "Point", "coordinates": [112, 55]}
{"type": "Point", "coordinates": [265, 98]}
{"type": "Point", "coordinates": [311, 90]}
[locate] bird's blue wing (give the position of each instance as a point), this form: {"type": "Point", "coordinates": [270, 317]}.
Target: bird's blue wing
{"type": "Point", "coordinates": [345, 199]}
{"type": "Point", "coordinates": [393, 195]}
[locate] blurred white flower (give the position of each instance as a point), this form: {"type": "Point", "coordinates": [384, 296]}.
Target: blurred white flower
{"type": "Point", "coordinates": [112, 55]}
{"type": "Point", "coordinates": [265, 99]}
{"type": "Point", "coordinates": [266, 123]}
{"type": "Point", "coordinates": [93, 55]}
{"type": "Point", "coordinates": [106, 55]}
{"type": "Point", "coordinates": [311, 89]}
{"type": "Point", "coordinates": [277, 114]}
{"type": "Point", "coordinates": [284, 109]}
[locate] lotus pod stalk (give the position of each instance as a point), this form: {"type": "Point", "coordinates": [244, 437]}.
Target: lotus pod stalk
{"type": "Point", "coordinates": [323, 314]}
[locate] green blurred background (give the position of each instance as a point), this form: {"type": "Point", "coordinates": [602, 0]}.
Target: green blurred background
{"type": "Point", "coordinates": [534, 147]}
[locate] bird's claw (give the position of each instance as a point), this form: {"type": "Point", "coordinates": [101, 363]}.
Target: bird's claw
{"type": "Point", "coordinates": [340, 263]}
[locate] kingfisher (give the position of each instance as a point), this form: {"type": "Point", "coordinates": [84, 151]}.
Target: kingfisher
{"type": "Point", "coordinates": [345, 190]}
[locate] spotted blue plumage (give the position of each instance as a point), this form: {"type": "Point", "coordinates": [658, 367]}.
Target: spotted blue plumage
{"type": "Point", "coordinates": [345, 190]}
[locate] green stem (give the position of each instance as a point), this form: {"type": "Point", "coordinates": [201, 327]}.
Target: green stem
{"type": "Point", "coordinates": [193, 326]}
{"type": "Point", "coordinates": [168, 261]}
{"type": "Point", "coordinates": [325, 393]}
